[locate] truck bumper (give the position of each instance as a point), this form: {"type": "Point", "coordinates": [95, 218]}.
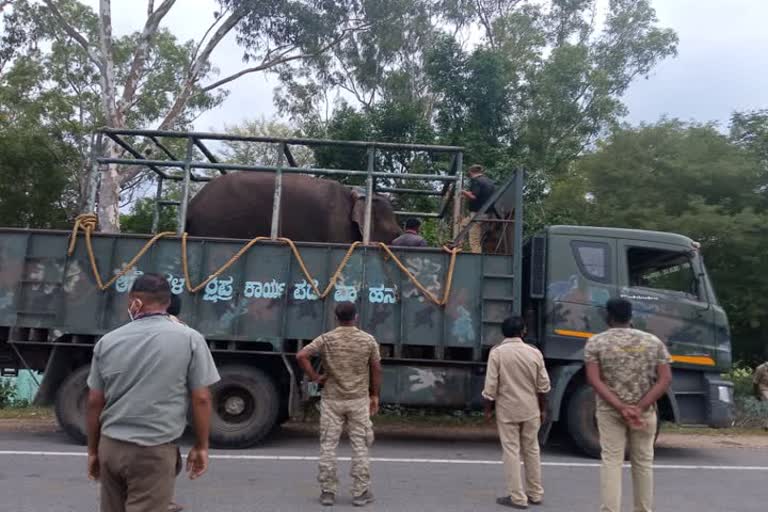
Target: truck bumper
{"type": "Point", "coordinates": [720, 413]}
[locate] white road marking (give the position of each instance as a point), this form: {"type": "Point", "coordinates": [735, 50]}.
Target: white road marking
{"type": "Point", "coordinates": [479, 462]}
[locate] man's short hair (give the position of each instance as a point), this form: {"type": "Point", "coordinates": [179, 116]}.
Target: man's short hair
{"type": "Point", "coordinates": [346, 312]}
{"type": "Point", "coordinates": [412, 223]}
{"type": "Point", "coordinates": [476, 169]}
{"type": "Point", "coordinates": [619, 310]}
{"type": "Point", "coordinates": [152, 289]}
{"type": "Point", "coordinates": [513, 327]}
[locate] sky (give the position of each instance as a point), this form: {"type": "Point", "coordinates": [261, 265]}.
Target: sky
{"type": "Point", "coordinates": [720, 67]}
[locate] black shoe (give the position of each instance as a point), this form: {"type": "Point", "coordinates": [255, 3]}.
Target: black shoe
{"type": "Point", "coordinates": [363, 499]}
{"type": "Point", "coordinates": [507, 502]}
{"type": "Point", "coordinates": [327, 499]}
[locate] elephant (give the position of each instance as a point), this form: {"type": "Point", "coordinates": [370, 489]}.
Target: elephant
{"type": "Point", "coordinates": [239, 205]}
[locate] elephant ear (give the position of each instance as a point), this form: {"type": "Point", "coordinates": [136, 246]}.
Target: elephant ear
{"type": "Point", "coordinates": [358, 212]}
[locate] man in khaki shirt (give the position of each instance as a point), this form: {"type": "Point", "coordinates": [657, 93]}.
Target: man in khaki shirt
{"type": "Point", "coordinates": [516, 381]}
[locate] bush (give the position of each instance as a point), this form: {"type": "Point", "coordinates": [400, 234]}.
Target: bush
{"type": "Point", "coordinates": [750, 412]}
{"type": "Point", "coordinates": [741, 376]}
{"type": "Point", "coordinates": [9, 396]}
{"type": "Point", "coordinates": [7, 393]}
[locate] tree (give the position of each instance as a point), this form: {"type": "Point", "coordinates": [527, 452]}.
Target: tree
{"type": "Point", "coordinates": [140, 219]}
{"type": "Point", "coordinates": [34, 178]}
{"type": "Point", "coordinates": [689, 179]}
{"type": "Point", "coordinates": [542, 83]}
{"type": "Point", "coordinates": [250, 153]}
{"type": "Point", "coordinates": [130, 70]}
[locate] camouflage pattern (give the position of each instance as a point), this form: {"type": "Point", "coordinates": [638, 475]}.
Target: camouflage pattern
{"type": "Point", "coordinates": [628, 359]}
{"type": "Point", "coordinates": [347, 353]}
{"type": "Point", "coordinates": [334, 414]}
{"type": "Point", "coordinates": [760, 379]}
{"type": "Point", "coordinates": [575, 300]}
{"type": "Point", "coordinates": [475, 234]}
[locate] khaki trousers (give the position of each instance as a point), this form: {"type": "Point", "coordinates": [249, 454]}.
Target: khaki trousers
{"type": "Point", "coordinates": [475, 234]}
{"type": "Point", "coordinates": [522, 439]}
{"type": "Point", "coordinates": [137, 478]}
{"type": "Point", "coordinates": [614, 436]}
{"type": "Point", "coordinates": [355, 414]}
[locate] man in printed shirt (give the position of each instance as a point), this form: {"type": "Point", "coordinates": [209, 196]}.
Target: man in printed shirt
{"type": "Point", "coordinates": [516, 381]}
{"type": "Point", "coordinates": [630, 371]}
{"type": "Point", "coordinates": [760, 384]}
{"type": "Point", "coordinates": [350, 396]}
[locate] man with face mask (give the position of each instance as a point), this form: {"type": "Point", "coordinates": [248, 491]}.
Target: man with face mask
{"type": "Point", "coordinates": [143, 377]}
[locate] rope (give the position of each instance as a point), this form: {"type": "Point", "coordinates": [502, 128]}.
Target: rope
{"type": "Point", "coordinates": [448, 278]}
{"type": "Point", "coordinates": [244, 249]}
{"type": "Point", "coordinates": [87, 223]}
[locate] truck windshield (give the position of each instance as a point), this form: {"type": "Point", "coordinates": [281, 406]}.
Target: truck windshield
{"type": "Point", "coordinates": [663, 270]}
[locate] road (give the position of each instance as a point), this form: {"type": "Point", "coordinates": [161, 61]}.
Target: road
{"type": "Point", "coordinates": [44, 472]}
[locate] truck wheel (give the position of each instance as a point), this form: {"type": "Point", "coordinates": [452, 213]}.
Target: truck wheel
{"type": "Point", "coordinates": [245, 407]}
{"type": "Point", "coordinates": [71, 401]}
{"type": "Point", "coordinates": [582, 425]}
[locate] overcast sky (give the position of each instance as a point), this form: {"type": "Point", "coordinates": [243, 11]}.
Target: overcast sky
{"type": "Point", "coordinates": [720, 67]}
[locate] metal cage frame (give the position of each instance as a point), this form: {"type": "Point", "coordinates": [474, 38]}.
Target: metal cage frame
{"type": "Point", "coordinates": [452, 178]}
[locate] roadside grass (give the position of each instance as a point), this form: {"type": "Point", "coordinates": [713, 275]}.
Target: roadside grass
{"type": "Point", "coordinates": [671, 428]}
{"type": "Point", "coordinates": [26, 413]}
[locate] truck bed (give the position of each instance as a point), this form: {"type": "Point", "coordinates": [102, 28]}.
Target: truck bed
{"type": "Point", "coordinates": [263, 302]}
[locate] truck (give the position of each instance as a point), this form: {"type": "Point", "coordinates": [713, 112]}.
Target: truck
{"type": "Point", "coordinates": [435, 311]}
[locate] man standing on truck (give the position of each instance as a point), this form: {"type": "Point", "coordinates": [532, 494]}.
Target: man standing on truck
{"type": "Point", "coordinates": [411, 237]}
{"type": "Point", "coordinates": [516, 381]}
{"type": "Point", "coordinates": [629, 370]}
{"type": "Point", "coordinates": [352, 381]}
{"type": "Point", "coordinates": [760, 384]}
{"type": "Point", "coordinates": [142, 376]}
{"type": "Point", "coordinates": [481, 188]}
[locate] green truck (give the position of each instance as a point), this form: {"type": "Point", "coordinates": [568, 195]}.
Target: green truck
{"type": "Point", "coordinates": [436, 312]}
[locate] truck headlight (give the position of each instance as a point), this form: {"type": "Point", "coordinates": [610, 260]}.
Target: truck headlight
{"type": "Point", "coordinates": [724, 394]}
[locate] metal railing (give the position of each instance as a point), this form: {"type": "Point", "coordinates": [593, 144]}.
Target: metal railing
{"type": "Point", "coordinates": [131, 153]}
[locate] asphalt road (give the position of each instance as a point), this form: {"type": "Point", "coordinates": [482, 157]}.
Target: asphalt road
{"type": "Point", "coordinates": [44, 472]}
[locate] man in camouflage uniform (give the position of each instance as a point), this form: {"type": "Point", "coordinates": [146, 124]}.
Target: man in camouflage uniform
{"type": "Point", "coordinates": [630, 371]}
{"type": "Point", "coordinates": [352, 380]}
{"type": "Point", "coordinates": [760, 383]}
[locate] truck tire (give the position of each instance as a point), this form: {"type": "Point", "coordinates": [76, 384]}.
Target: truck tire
{"type": "Point", "coordinates": [581, 422]}
{"type": "Point", "coordinates": [582, 425]}
{"type": "Point", "coordinates": [246, 403]}
{"type": "Point", "coordinates": [71, 401]}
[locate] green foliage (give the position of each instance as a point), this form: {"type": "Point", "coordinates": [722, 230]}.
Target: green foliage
{"type": "Point", "coordinates": [48, 82]}
{"type": "Point", "coordinates": [741, 376]}
{"type": "Point", "coordinates": [7, 393]}
{"type": "Point", "coordinates": [139, 220]}
{"type": "Point", "coordinates": [35, 179]}
{"type": "Point", "coordinates": [750, 412]}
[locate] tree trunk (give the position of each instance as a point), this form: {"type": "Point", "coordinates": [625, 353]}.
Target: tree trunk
{"type": "Point", "coordinates": [109, 194]}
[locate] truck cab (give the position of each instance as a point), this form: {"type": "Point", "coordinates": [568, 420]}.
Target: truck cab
{"type": "Point", "coordinates": [571, 271]}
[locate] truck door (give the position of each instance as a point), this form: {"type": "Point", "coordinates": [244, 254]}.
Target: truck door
{"type": "Point", "coordinates": [663, 281]}
{"type": "Point", "coordinates": [581, 278]}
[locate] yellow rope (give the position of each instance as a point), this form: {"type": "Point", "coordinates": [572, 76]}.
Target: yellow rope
{"type": "Point", "coordinates": [448, 278]}
{"type": "Point", "coordinates": [87, 223]}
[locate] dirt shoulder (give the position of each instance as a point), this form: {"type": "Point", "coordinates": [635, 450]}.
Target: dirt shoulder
{"type": "Point", "coordinates": [722, 439]}
{"type": "Point", "coordinates": [449, 429]}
